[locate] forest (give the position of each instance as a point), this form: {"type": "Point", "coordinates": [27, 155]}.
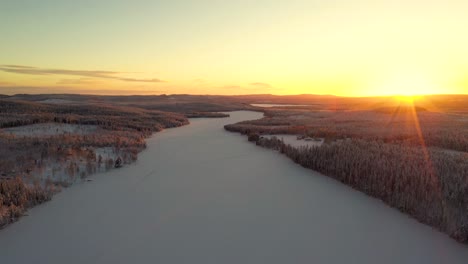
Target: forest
{"type": "Point", "coordinates": [77, 140]}
{"type": "Point", "coordinates": [413, 159]}
{"type": "Point", "coordinates": [436, 129]}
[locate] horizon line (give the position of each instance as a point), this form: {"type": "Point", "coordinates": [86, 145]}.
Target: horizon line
{"type": "Point", "coordinates": [236, 95]}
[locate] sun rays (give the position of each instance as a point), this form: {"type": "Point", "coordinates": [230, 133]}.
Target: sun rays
{"type": "Point", "coordinates": [409, 110]}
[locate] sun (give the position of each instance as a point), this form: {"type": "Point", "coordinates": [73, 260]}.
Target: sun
{"type": "Point", "coordinates": [407, 99]}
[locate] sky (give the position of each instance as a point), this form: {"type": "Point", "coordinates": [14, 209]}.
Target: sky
{"type": "Point", "coordinates": [339, 47]}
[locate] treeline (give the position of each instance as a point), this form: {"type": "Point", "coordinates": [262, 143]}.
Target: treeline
{"type": "Point", "coordinates": [187, 107]}
{"type": "Point", "coordinates": [206, 115]}
{"type": "Point", "coordinates": [70, 156]}
{"type": "Point", "coordinates": [22, 156]}
{"type": "Point", "coordinates": [247, 128]}
{"type": "Point", "coordinates": [177, 103]}
{"type": "Point", "coordinates": [122, 128]}
{"type": "Point", "coordinates": [428, 184]}
{"type": "Point", "coordinates": [16, 197]}
{"type": "Point", "coordinates": [15, 113]}
{"type": "Point", "coordinates": [432, 129]}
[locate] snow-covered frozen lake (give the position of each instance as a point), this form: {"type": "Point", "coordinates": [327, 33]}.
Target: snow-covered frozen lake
{"type": "Point", "coordinates": [199, 194]}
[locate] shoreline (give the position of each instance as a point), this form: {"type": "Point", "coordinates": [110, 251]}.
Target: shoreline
{"type": "Point", "coordinates": [291, 152]}
{"type": "Point", "coordinates": [44, 189]}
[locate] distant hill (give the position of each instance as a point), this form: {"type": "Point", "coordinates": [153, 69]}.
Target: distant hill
{"type": "Point", "coordinates": [216, 103]}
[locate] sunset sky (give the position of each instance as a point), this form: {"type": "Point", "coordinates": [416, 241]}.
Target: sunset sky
{"type": "Point", "coordinates": [340, 47]}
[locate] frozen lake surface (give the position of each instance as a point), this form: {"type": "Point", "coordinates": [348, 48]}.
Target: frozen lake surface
{"type": "Point", "coordinates": [199, 194]}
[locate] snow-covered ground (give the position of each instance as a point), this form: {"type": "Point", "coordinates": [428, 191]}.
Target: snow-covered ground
{"type": "Point", "coordinates": [294, 142]}
{"type": "Point", "coordinates": [58, 170]}
{"type": "Point", "coordinates": [200, 194]}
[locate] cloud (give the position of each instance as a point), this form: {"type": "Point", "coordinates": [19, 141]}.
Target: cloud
{"type": "Point", "coordinates": [76, 81]}
{"type": "Point", "coordinates": [260, 85]}
{"type": "Point", "coordinates": [19, 69]}
{"type": "Point", "coordinates": [18, 66]}
{"type": "Point", "coordinates": [68, 90]}
{"type": "Point", "coordinates": [154, 80]}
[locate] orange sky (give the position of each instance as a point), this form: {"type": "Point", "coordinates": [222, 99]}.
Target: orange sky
{"type": "Point", "coordinates": [340, 47]}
